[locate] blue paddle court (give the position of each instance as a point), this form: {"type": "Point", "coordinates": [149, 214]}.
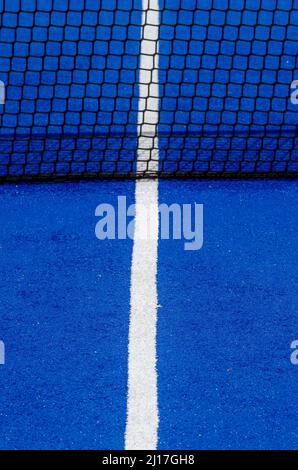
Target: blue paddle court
{"type": "Point", "coordinates": [167, 320]}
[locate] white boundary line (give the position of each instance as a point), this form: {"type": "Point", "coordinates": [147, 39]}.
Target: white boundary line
{"type": "Point", "coordinates": [142, 401]}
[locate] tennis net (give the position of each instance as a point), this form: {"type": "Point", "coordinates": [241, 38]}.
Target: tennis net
{"type": "Point", "coordinates": [148, 88]}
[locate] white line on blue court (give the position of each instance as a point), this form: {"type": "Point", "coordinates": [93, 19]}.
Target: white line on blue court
{"type": "Point", "coordinates": [142, 403]}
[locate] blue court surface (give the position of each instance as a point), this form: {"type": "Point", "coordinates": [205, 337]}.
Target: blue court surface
{"type": "Point", "coordinates": [118, 88]}
{"type": "Point", "coordinates": [226, 319]}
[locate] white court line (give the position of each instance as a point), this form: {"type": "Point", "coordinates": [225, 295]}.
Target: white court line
{"type": "Point", "coordinates": [142, 404]}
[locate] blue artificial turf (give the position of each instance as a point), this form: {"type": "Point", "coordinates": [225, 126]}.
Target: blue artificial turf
{"type": "Point", "coordinates": [227, 318]}
{"type": "Point", "coordinates": [64, 318]}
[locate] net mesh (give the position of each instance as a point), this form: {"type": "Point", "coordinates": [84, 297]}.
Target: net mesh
{"type": "Point", "coordinates": [77, 96]}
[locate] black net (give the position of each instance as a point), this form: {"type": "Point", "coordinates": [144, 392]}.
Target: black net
{"type": "Point", "coordinates": [81, 80]}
